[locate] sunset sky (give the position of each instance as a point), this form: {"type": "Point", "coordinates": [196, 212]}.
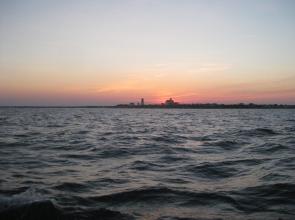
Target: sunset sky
{"type": "Point", "coordinates": [104, 52]}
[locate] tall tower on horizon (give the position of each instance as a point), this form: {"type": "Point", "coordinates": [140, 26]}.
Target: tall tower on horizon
{"type": "Point", "coordinates": [142, 101]}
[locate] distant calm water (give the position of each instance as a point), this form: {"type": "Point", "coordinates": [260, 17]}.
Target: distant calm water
{"type": "Point", "coordinates": [164, 164]}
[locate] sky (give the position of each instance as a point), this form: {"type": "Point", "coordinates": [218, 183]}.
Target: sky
{"type": "Point", "coordinates": [105, 52]}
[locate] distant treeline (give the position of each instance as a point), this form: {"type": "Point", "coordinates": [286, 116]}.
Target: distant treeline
{"type": "Point", "coordinates": [210, 106]}
{"type": "Point", "coordinates": [181, 106]}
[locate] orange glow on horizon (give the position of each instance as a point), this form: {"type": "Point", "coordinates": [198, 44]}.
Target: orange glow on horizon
{"type": "Point", "coordinates": [153, 90]}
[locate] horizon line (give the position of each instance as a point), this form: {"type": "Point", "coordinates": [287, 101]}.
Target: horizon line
{"type": "Point", "coordinates": [211, 104]}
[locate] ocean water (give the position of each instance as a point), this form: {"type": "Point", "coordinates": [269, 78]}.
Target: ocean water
{"type": "Point", "coordinates": [157, 164]}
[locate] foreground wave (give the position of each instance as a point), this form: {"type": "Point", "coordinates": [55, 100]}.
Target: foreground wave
{"type": "Point", "coordinates": [46, 210]}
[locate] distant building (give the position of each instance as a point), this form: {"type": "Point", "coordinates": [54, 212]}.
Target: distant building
{"type": "Point", "coordinates": [170, 102]}
{"type": "Point", "coordinates": [142, 102]}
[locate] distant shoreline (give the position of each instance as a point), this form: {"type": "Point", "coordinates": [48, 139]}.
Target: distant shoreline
{"type": "Point", "coordinates": [179, 106]}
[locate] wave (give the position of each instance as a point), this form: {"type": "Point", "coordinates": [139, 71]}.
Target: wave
{"type": "Point", "coordinates": [224, 145]}
{"type": "Point", "coordinates": [164, 195]}
{"type": "Point", "coordinates": [211, 171]}
{"type": "Point", "coordinates": [180, 198]}
{"type": "Point", "coordinates": [144, 165]}
{"type": "Point", "coordinates": [176, 158]}
{"type": "Point", "coordinates": [275, 177]}
{"type": "Point", "coordinates": [156, 195]}
{"type": "Point", "coordinates": [278, 190]}
{"type": "Point", "coordinates": [9, 192]}
{"type": "Point", "coordinates": [286, 163]}
{"type": "Point", "coordinates": [265, 198]}
{"type": "Point", "coordinates": [244, 162]}
{"type": "Point", "coordinates": [113, 152]}
{"type": "Point", "coordinates": [3, 118]}
{"type": "Point", "coordinates": [279, 198]}
{"type": "Point", "coordinates": [221, 169]}
{"type": "Point", "coordinates": [258, 132]}
{"type": "Point", "coordinates": [176, 139]}
{"type": "Point", "coordinates": [290, 129]}
{"type": "Point", "coordinates": [127, 138]}
{"type": "Point", "coordinates": [269, 148]}
{"type": "Point", "coordinates": [80, 156]}
{"type": "Point", "coordinates": [19, 196]}
{"type": "Point", "coordinates": [68, 186]}
{"type": "Point", "coordinates": [46, 210]}
{"type": "Point", "coordinates": [14, 143]}
{"type": "Point", "coordinates": [185, 218]}
{"type": "Point", "coordinates": [202, 138]}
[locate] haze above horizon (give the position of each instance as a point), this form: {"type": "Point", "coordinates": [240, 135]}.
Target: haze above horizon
{"type": "Point", "coordinates": [63, 52]}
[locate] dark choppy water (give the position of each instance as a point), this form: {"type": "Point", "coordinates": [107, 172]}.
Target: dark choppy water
{"type": "Point", "coordinates": [147, 164]}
